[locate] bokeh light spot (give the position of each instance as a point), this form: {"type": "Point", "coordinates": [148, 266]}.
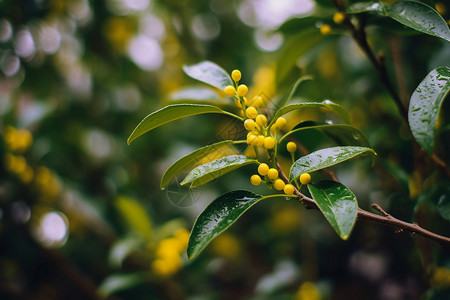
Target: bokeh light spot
{"type": "Point", "coordinates": [146, 53]}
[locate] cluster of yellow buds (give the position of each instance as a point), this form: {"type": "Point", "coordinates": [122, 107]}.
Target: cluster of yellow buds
{"type": "Point", "coordinates": [17, 165]}
{"type": "Point", "coordinates": [17, 140]}
{"type": "Point", "coordinates": [168, 253]}
{"type": "Point", "coordinates": [255, 122]}
{"type": "Point", "coordinates": [46, 183]}
{"type": "Point", "coordinates": [271, 175]}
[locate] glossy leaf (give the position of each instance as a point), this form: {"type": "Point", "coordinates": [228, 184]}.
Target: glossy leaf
{"type": "Point", "coordinates": [337, 203]}
{"type": "Point", "coordinates": [325, 158]}
{"type": "Point", "coordinates": [325, 105]}
{"type": "Point", "coordinates": [210, 73]}
{"type": "Point", "coordinates": [171, 113]}
{"type": "Point", "coordinates": [216, 168]}
{"type": "Point", "coordinates": [343, 134]}
{"type": "Point", "coordinates": [189, 161]}
{"type": "Point", "coordinates": [425, 104]}
{"type": "Point", "coordinates": [218, 216]}
{"type": "Point", "coordinates": [361, 7]}
{"type": "Point", "coordinates": [420, 17]}
{"type": "Point", "coordinates": [413, 14]}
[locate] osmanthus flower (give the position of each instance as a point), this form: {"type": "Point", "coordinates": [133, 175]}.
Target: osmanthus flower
{"type": "Point", "coordinates": [266, 133]}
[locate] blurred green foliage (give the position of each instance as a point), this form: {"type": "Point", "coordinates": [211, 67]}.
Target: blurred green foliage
{"type": "Point", "coordinates": [82, 215]}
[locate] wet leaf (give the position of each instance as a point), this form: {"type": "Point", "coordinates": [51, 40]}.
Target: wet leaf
{"type": "Point", "coordinates": [189, 161]}
{"type": "Point", "coordinates": [413, 14]}
{"type": "Point", "coordinates": [425, 104]}
{"type": "Point", "coordinates": [420, 17]}
{"type": "Point", "coordinates": [344, 135]}
{"type": "Point", "coordinates": [216, 168]}
{"type": "Point", "coordinates": [337, 203]}
{"type": "Point", "coordinates": [210, 73]}
{"type": "Point", "coordinates": [171, 113]}
{"type": "Point", "coordinates": [217, 217]}
{"type": "Point", "coordinates": [325, 158]}
{"type": "Point", "coordinates": [325, 105]}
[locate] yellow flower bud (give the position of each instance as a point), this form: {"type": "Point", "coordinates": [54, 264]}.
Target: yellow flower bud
{"type": "Point", "coordinates": [325, 29]}
{"type": "Point", "coordinates": [249, 124]}
{"type": "Point", "coordinates": [305, 178]}
{"type": "Point", "coordinates": [251, 112]}
{"type": "Point", "coordinates": [242, 90]}
{"type": "Point", "coordinates": [230, 91]}
{"type": "Point", "coordinates": [269, 142]}
{"type": "Point", "coordinates": [280, 122]}
{"type": "Point", "coordinates": [255, 179]}
{"type": "Point", "coordinates": [291, 147]}
{"type": "Point", "coordinates": [288, 189]}
{"type": "Point", "coordinates": [338, 17]}
{"type": "Point", "coordinates": [279, 184]}
{"type": "Point", "coordinates": [261, 120]}
{"type": "Point", "coordinates": [272, 173]}
{"type": "Point", "coordinates": [236, 75]}
{"type": "Point", "coordinates": [261, 140]}
{"type": "Point", "coordinates": [263, 169]}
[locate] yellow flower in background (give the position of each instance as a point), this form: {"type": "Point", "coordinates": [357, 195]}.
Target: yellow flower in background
{"type": "Point", "coordinates": [46, 183]}
{"type": "Point", "coordinates": [168, 253]}
{"type": "Point", "coordinates": [308, 291]}
{"type": "Point", "coordinates": [285, 220]}
{"type": "Point", "coordinates": [119, 32]}
{"type": "Point", "coordinates": [17, 140]}
{"type": "Point", "coordinates": [440, 277]}
{"type": "Point", "coordinates": [226, 245]}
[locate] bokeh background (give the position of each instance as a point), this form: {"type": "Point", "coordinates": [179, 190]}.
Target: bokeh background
{"type": "Point", "coordinates": [81, 212]}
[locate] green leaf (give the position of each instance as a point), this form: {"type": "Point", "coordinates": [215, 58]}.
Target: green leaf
{"type": "Point", "coordinates": [210, 73]}
{"type": "Point", "coordinates": [288, 99]}
{"type": "Point", "coordinates": [425, 104]}
{"type": "Point", "coordinates": [325, 158]}
{"type": "Point", "coordinates": [413, 14]}
{"type": "Point", "coordinates": [296, 47]}
{"type": "Point", "coordinates": [361, 7]}
{"type": "Point", "coordinates": [189, 161]}
{"type": "Point", "coordinates": [420, 17]}
{"type": "Point", "coordinates": [337, 203]}
{"type": "Point", "coordinates": [325, 105]}
{"type": "Point", "coordinates": [119, 282]}
{"type": "Point", "coordinates": [216, 168]}
{"type": "Point", "coordinates": [218, 216]}
{"type": "Point", "coordinates": [343, 134]}
{"type": "Point", "coordinates": [135, 215]}
{"type": "Point", "coordinates": [171, 113]}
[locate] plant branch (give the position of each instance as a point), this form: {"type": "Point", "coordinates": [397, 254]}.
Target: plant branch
{"type": "Point", "coordinates": [360, 37]}
{"type": "Point", "coordinates": [384, 219]}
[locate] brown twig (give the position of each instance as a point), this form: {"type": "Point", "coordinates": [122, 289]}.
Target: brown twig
{"type": "Point", "coordinates": [386, 219]}
{"type": "Point", "coordinates": [359, 35]}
